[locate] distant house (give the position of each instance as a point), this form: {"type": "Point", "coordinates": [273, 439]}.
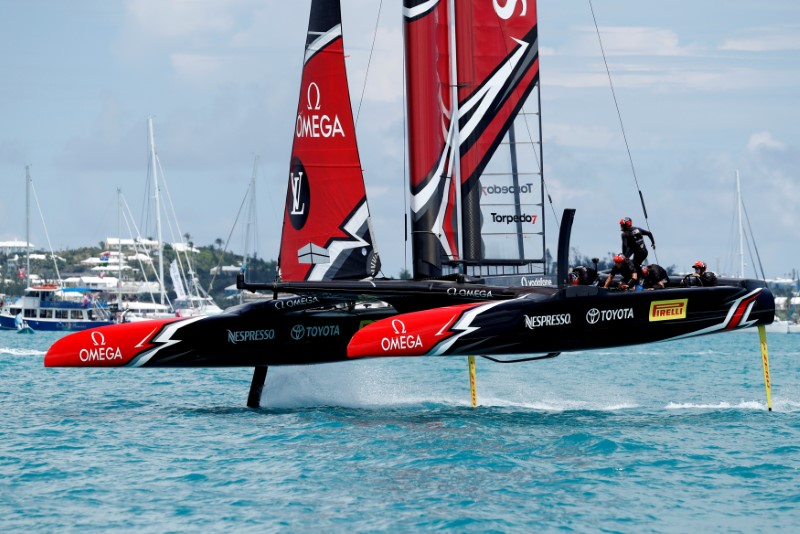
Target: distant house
{"type": "Point", "coordinates": [15, 247]}
{"type": "Point", "coordinates": [140, 243]}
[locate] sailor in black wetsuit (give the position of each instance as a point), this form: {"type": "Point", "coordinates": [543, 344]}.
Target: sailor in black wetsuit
{"type": "Point", "coordinates": [700, 277]}
{"type": "Point", "coordinates": [624, 267]}
{"type": "Point", "coordinates": [633, 241]}
{"type": "Point", "coordinates": [655, 277]}
{"type": "Point", "coordinates": [583, 276]}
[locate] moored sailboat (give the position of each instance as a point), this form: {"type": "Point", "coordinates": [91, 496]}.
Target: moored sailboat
{"type": "Point", "coordinates": [51, 306]}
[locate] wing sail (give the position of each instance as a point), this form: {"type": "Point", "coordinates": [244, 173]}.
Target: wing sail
{"type": "Point", "coordinates": [475, 182]}
{"type": "Point", "coordinates": [434, 224]}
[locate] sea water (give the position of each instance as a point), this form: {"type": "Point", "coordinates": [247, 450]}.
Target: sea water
{"type": "Point", "coordinates": [671, 437]}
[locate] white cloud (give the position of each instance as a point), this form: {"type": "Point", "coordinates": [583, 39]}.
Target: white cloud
{"type": "Point", "coordinates": [626, 41]}
{"type": "Point", "coordinates": [197, 66]}
{"type": "Point", "coordinates": [766, 39]}
{"type": "Point", "coordinates": [764, 141]}
{"type": "Point", "coordinates": [181, 18]}
{"type": "Point", "coordinates": [581, 136]}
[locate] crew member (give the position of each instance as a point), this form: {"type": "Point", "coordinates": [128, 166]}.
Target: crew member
{"type": "Point", "coordinates": [583, 276]}
{"type": "Point", "coordinates": [655, 277]}
{"type": "Point", "coordinates": [633, 241]}
{"type": "Point", "coordinates": [624, 267]}
{"type": "Point", "coordinates": [701, 277]}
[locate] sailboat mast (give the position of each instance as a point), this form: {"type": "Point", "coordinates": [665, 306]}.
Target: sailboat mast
{"type": "Point", "coordinates": [157, 199]}
{"type": "Point", "coordinates": [27, 226]}
{"type": "Point", "coordinates": [541, 174]}
{"type": "Point", "coordinates": [455, 171]}
{"type": "Point", "coordinates": [741, 226]}
{"type": "Point", "coordinates": [251, 237]}
{"type": "Point", "coordinates": [119, 248]}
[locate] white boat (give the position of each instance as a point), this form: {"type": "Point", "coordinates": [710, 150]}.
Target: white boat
{"type": "Point", "coordinates": [51, 306]}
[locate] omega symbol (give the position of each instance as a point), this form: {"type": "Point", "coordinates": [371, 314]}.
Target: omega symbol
{"type": "Point", "coordinates": [98, 339]}
{"type": "Point", "coordinates": [398, 326]}
{"type": "Point", "coordinates": [309, 98]}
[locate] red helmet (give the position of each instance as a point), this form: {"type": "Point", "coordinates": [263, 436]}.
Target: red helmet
{"type": "Point", "coordinates": [699, 265]}
{"type": "Point", "coordinates": [625, 222]}
{"type": "Point", "coordinates": [645, 270]}
{"type": "Point", "coordinates": [619, 258]}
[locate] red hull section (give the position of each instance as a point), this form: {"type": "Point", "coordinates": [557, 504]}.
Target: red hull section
{"type": "Point", "coordinates": [409, 334]}
{"type": "Point", "coordinates": [109, 346]}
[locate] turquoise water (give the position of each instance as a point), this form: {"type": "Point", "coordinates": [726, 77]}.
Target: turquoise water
{"type": "Point", "coordinates": [673, 437]}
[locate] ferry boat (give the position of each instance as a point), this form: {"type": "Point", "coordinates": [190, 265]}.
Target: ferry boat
{"type": "Point", "coordinates": [51, 307]}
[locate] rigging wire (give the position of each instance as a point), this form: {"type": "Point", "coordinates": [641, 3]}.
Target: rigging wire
{"type": "Point", "coordinates": [538, 155]}
{"type": "Point", "coordinates": [758, 256]}
{"type": "Point", "coordinates": [47, 235]}
{"type": "Point", "coordinates": [358, 113]}
{"type": "Point", "coordinates": [369, 61]}
{"type": "Point", "coordinates": [621, 124]}
{"type": "Point", "coordinates": [228, 240]}
{"type": "Point", "coordinates": [541, 170]}
{"type": "Point", "coordinates": [129, 219]}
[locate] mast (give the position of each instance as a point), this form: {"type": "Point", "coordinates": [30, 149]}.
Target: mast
{"type": "Point", "coordinates": [27, 226]}
{"type": "Point", "coordinates": [119, 249]}
{"type": "Point", "coordinates": [251, 227]}
{"type": "Point", "coordinates": [157, 199]}
{"type": "Point", "coordinates": [455, 172]}
{"type": "Point", "coordinates": [741, 226]}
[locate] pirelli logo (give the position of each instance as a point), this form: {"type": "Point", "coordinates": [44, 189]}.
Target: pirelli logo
{"type": "Point", "coordinates": [668, 310]}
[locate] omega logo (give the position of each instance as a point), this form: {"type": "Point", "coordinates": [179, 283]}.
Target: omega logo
{"type": "Point", "coordinates": [400, 341]}
{"type": "Point", "coordinates": [99, 351]}
{"type": "Point", "coordinates": [316, 123]}
{"type": "Point", "coordinates": [98, 339]}
{"type": "Point", "coordinates": [315, 87]}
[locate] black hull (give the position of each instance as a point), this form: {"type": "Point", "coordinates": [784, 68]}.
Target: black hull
{"type": "Point", "coordinates": [322, 326]}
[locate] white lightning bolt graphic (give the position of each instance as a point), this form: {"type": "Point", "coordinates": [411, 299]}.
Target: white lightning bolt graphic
{"type": "Point", "coordinates": [164, 339]}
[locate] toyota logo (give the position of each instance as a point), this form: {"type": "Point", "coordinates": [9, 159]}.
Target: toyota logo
{"type": "Point", "coordinates": [298, 331]}
{"type": "Point", "coordinates": [592, 316]}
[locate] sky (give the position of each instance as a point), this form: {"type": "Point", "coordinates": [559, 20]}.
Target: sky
{"type": "Point", "coordinates": [704, 89]}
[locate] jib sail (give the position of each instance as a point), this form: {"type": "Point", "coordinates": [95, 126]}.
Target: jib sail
{"type": "Point", "coordinates": [326, 225]}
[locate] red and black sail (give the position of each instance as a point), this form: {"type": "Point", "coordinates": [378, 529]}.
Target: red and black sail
{"type": "Point", "coordinates": [434, 224]}
{"type": "Point", "coordinates": [492, 48]}
{"type": "Point", "coordinates": [326, 225]}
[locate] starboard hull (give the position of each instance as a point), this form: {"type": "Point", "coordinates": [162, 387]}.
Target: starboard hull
{"type": "Point", "coordinates": [303, 330]}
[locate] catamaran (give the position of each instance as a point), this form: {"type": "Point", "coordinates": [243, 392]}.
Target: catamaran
{"type": "Point", "coordinates": [477, 221]}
